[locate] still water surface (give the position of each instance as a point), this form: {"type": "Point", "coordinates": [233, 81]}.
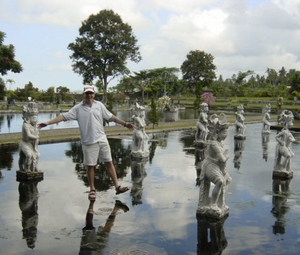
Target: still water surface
{"type": "Point", "coordinates": [12, 122]}
{"type": "Point", "coordinates": [163, 201]}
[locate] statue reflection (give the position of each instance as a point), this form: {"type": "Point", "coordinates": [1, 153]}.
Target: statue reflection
{"type": "Point", "coordinates": [265, 138]}
{"type": "Point", "coordinates": [28, 203]}
{"type": "Point", "coordinates": [211, 236]}
{"type": "Point", "coordinates": [138, 174]}
{"type": "Point", "coordinates": [91, 240]}
{"type": "Point", "coordinates": [238, 153]}
{"type": "Point", "coordinates": [280, 208]}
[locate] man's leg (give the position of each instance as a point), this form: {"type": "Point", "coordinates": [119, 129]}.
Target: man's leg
{"type": "Point", "coordinates": [113, 175]}
{"type": "Point", "coordinates": [90, 170]}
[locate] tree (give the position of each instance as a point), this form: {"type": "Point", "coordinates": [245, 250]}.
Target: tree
{"type": "Point", "coordinates": [103, 48]}
{"type": "Point", "coordinates": [198, 70]}
{"type": "Point", "coordinates": [7, 58]}
{"type": "Point", "coordinates": [153, 116]}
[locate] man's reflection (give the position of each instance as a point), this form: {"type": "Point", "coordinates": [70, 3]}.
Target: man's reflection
{"type": "Point", "coordinates": [91, 240]}
{"type": "Point", "coordinates": [28, 203]}
{"type": "Point", "coordinates": [265, 138]}
{"type": "Point", "coordinates": [211, 236]}
{"type": "Point", "coordinates": [238, 153]}
{"type": "Point", "coordinates": [281, 192]}
{"type": "Point", "coordinates": [138, 174]}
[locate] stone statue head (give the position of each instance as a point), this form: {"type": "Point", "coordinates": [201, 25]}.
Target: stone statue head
{"type": "Point", "coordinates": [240, 108]}
{"type": "Point", "coordinates": [286, 118]}
{"type": "Point", "coordinates": [204, 107]}
{"type": "Point", "coordinates": [218, 125]}
{"type": "Point", "coordinates": [29, 111]}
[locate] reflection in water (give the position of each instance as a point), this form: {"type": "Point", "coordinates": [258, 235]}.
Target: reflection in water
{"type": "Point", "coordinates": [28, 203]}
{"type": "Point", "coordinates": [120, 157]}
{"type": "Point", "coordinates": [238, 152]}
{"type": "Point", "coordinates": [138, 174]}
{"type": "Point", "coordinates": [6, 157]}
{"type": "Point", "coordinates": [265, 138]}
{"type": "Point", "coordinates": [211, 236]}
{"type": "Point", "coordinates": [281, 192]}
{"type": "Point", "coordinates": [96, 241]}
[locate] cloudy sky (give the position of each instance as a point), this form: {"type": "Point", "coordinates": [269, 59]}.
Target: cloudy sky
{"type": "Point", "coordinates": [241, 34]}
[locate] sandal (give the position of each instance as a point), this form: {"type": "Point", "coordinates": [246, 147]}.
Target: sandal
{"type": "Point", "coordinates": [120, 190]}
{"type": "Point", "coordinates": [121, 205]}
{"type": "Point", "coordinates": [92, 195]}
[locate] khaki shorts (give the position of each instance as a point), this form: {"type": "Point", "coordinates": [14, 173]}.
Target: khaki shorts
{"type": "Point", "coordinates": [94, 152]}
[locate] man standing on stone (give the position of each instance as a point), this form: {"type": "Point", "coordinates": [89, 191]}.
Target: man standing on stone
{"type": "Point", "coordinates": [90, 115]}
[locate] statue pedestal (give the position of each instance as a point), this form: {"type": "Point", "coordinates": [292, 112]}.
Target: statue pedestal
{"type": "Point", "coordinates": [139, 154]}
{"type": "Point", "coordinates": [29, 176]}
{"type": "Point", "coordinates": [281, 173]}
{"type": "Point", "coordinates": [212, 212]}
{"type": "Point", "coordinates": [171, 115]}
{"type": "Point", "coordinates": [240, 137]}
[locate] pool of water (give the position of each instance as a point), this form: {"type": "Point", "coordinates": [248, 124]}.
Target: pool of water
{"type": "Point", "coordinates": [12, 122]}
{"type": "Point", "coordinates": [48, 218]}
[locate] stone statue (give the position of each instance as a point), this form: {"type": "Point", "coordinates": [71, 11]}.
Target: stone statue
{"type": "Point", "coordinates": [214, 171]}
{"type": "Point", "coordinates": [29, 153]}
{"type": "Point", "coordinates": [284, 139]}
{"type": "Point", "coordinates": [139, 138]}
{"type": "Point", "coordinates": [202, 124]}
{"type": "Point", "coordinates": [240, 123]}
{"type": "Point", "coordinates": [266, 119]}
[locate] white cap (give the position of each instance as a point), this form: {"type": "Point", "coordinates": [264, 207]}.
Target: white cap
{"type": "Point", "coordinates": [88, 89]}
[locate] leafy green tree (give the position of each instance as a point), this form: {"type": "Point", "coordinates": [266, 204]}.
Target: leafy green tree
{"type": "Point", "coordinates": [2, 88]}
{"type": "Point", "coordinates": [7, 58]}
{"type": "Point", "coordinates": [295, 82]}
{"type": "Point", "coordinates": [153, 116]}
{"type": "Point", "coordinates": [198, 70]}
{"type": "Point", "coordinates": [103, 48]}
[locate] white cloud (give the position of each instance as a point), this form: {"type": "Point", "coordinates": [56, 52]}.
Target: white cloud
{"type": "Point", "coordinates": [241, 35]}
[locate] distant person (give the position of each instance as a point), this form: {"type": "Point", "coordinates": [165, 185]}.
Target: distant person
{"type": "Point", "coordinates": [90, 115]}
{"type": "Point", "coordinates": [74, 102]}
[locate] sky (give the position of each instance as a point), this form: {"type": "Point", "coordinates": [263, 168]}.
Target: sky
{"type": "Point", "coordinates": [242, 35]}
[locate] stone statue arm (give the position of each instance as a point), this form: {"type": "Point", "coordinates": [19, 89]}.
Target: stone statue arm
{"type": "Point", "coordinates": [221, 155]}
{"type": "Point", "coordinates": [29, 134]}
{"type": "Point", "coordinates": [280, 138]}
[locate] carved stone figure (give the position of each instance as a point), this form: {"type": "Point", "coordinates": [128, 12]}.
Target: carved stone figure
{"type": "Point", "coordinates": [240, 123]}
{"type": "Point", "coordinates": [139, 138]}
{"type": "Point", "coordinates": [29, 153]}
{"type": "Point", "coordinates": [283, 152]}
{"type": "Point", "coordinates": [266, 119]}
{"type": "Point", "coordinates": [214, 171]}
{"type": "Point", "coordinates": [202, 125]}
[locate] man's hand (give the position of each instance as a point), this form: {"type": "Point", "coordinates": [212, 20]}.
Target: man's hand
{"type": "Point", "coordinates": [41, 125]}
{"type": "Point", "coordinates": [130, 126]}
